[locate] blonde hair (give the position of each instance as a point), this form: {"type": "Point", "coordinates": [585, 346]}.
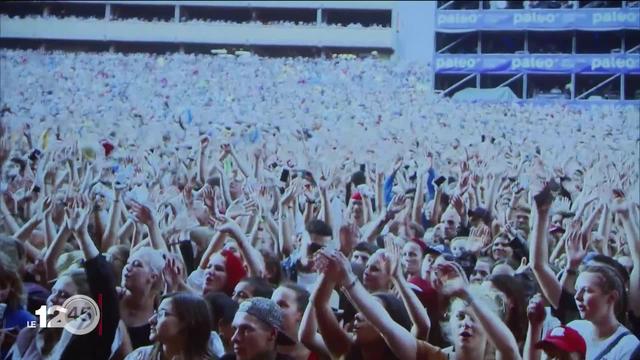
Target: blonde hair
{"type": "Point", "coordinates": [155, 260]}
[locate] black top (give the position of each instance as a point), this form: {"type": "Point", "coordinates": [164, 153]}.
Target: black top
{"type": "Point", "coordinates": [92, 345]}
{"type": "Point", "coordinates": [139, 335]}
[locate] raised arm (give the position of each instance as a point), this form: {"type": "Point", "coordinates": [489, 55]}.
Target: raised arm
{"type": "Point", "coordinates": [202, 159]}
{"type": "Point", "coordinates": [111, 232]}
{"type": "Point", "coordinates": [417, 312]}
{"type": "Point", "coordinates": [308, 333]}
{"type": "Point", "coordinates": [401, 342]}
{"type": "Point", "coordinates": [77, 221]}
{"type": "Point", "coordinates": [142, 214]}
{"type": "Point", "coordinates": [337, 340]}
{"type": "Point", "coordinates": [538, 249]}
{"type": "Point", "coordinates": [497, 331]}
{"type": "Point", "coordinates": [253, 258]}
{"type": "Point", "coordinates": [418, 200]}
{"type": "Point", "coordinates": [55, 249]}
{"type": "Point", "coordinates": [535, 314]}
{"type": "Point", "coordinates": [216, 243]}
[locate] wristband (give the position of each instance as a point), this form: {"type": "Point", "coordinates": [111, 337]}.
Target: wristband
{"type": "Point", "coordinates": [351, 284]}
{"type": "Point", "coordinates": [571, 272]}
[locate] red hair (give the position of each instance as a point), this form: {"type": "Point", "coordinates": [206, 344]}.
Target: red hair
{"type": "Point", "coordinates": [235, 271]}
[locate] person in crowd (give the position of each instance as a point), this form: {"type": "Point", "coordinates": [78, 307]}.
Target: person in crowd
{"type": "Point", "coordinates": [251, 287]}
{"type": "Point", "coordinates": [259, 330]}
{"type": "Point", "coordinates": [223, 309]}
{"type": "Point", "coordinates": [180, 329]}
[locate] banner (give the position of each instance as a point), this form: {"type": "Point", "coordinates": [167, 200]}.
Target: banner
{"type": "Point", "coordinates": [538, 63]}
{"type": "Point", "coordinates": [539, 19]}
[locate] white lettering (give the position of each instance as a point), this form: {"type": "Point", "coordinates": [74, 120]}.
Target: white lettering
{"type": "Point", "coordinates": [457, 18]}
{"type": "Point", "coordinates": [615, 17]}
{"type": "Point", "coordinates": [614, 63]}
{"type": "Point", "coordinates": [448, 63]}
{"type": "Point", "coordinates": [532, 63]}
{"type": "Point", "coordinates": [533, 18]}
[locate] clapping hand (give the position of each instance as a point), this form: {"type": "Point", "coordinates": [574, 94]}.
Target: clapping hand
{"type": "Point", "coordinates": [78, 214]}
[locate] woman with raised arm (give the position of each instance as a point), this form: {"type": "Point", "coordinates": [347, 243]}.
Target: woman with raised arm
{"type": "Point", "coordinates": [96, 281]}
{"type": "Point", "coordinates": [365, 342]}
{"type": "Point", "coordinates": [475, 318]}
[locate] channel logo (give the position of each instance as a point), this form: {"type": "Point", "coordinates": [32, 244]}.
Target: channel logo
{"type": "Point", "coordinates": [79, 315]}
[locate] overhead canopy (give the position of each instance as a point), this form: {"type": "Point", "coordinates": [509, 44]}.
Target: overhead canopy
{"type": "Point", "coordinates": [493, 94]}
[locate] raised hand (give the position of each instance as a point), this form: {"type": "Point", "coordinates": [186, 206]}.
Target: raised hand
{"type": "Point", "coordinates": [458, 204]}
{"type": "Point", "coordinates": [141, 213]}
{"type": "Point", "coordinates": [291, 193]}
{"type": "Point", "coordinates": [208, 197]}
{"type": "Point", "coordinates": [576, 247]}
{"type": "Point", "coordinates": [535, 311]}
{"type": "Point", "coordinates": [396, 205]}
{"type": "Point", "coordinates": [173, 273]}
{"type": "Point", "coordinates": [78, 214]}
{"type": "Point", "coordinates": [480, 234]}
{"type": "Point", "coordinates": [45, 208]}
{"type": "Point", "coordinates": [454, 280]}
{"type": "Point", "coordinates": [392, 251]}
{"type": "Point", "coordinates": [204, 142]}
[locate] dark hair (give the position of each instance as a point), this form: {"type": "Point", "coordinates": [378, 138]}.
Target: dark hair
{"type": "Point", "coordinates": [318, 227]}
{"type": "Point", "coordinates": [261, 287]}
{"type": "Point", "coordinates": [302, 295]}
{"type": "Point", "coordinates": [608, 260]}
{"type": "Point", "coordinates": [365, 246]}
{"type": "Point", "coordinates": [468, 262]}
{"type": "Point", "coordinates": [9, 278]}
{"type": "Point", "coordinates": [516, 315]}
{"type": "Point", "coordinates": [273, 266]}
{"type": "Point", "coordinates": [398, 313]}
{"type": "Point", "coordinates": [214, 181]}
{"type": "Point", "coordinates": [222, 308]}
{"type": "Point", "coordinates": [395, 308]}
{"type": "Point", "coordinates": [193, 312]}
{"type": "Point", "coordinates": [358, 178]}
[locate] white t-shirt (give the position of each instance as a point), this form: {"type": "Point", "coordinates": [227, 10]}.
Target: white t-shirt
{"type": "Point", "coordinates": [622, 350]}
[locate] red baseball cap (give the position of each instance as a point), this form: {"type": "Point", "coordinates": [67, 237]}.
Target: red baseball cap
{"type": "Point", "coordinates": [563, 338]}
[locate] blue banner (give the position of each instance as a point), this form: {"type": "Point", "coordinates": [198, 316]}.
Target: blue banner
{"type": "Point", "coordinates": [539, 63]}
{"type": "Point", "coordinates": [542, 19]}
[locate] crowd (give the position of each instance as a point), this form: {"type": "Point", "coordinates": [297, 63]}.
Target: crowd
{"type": "Point", "coordinates": [251, 208]}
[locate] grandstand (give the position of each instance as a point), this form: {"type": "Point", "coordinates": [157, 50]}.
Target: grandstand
{"type": "Point", "coordinates": [540, 49]}
{"type": "Point", "coordinates": [551, 50]}
{"type": "Point", "coordinates": [278, 28]}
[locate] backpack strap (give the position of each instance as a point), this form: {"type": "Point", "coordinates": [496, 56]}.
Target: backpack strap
{"type": "Point", "coordinates": [611, 345]}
